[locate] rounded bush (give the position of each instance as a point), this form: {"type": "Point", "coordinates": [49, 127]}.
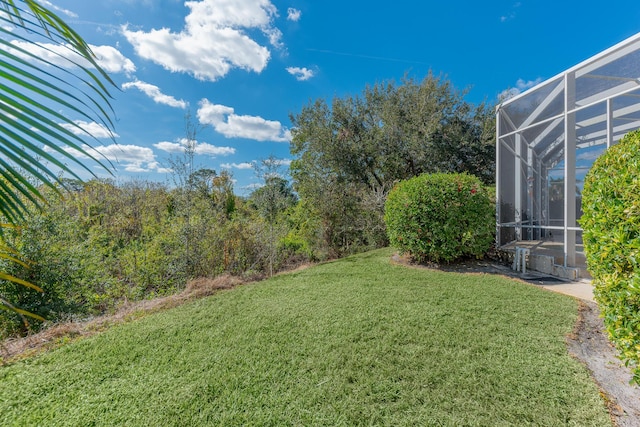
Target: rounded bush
{"type": "Point", "coordinates": [611, 223]}
{"type": "Point", "coordinates": [440, 217]}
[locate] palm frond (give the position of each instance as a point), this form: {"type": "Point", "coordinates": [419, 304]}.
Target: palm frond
{"type": "Point", "coordinates": [39, 99]}
{"type": "Point", "coordinates": [6, 305]}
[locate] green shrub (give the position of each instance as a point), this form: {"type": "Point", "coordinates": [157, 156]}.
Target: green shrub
{"type": "Point", "coordinates": [611, 223]}
{"type": "Point", "coordinates": [440, 217]}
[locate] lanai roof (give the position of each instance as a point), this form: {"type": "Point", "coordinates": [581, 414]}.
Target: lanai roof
{"type": "Point", "coordinates": [603, 88]}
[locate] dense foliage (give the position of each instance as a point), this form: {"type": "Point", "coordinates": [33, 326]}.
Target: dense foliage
{"type": "Point", "coordinates": [440, 217]}
{"type": "Point", "coordinates": [348, 155]}
{"type": "Point", "coordinates": [105, 244]}
{"type": "Point", "coordinates": [611, 223]}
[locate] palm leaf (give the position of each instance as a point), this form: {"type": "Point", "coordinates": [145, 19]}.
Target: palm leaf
{"type": "Point", "coordinates": [38, 99]}
{"type": "Point", "coordinates": [10, 278]}
{"type": "Point", "coordinates": [6, 305]}
{"type": "Point", "coordinates": [99, 90]}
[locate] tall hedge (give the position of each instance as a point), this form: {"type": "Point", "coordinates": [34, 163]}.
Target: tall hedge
{"type": "Point", "coordinates": [440, 217]}
{"type": "Point", "coordinates": [611, 223]}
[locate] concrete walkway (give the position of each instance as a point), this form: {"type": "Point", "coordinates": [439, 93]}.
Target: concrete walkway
{"type": "Point", "coordinates": [582, 289]}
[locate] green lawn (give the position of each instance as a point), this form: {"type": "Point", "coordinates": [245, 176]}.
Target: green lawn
{"type": "Point", "coordinates": [353, 342]}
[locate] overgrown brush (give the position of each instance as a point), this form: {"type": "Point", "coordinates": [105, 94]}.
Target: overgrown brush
{"type": "Point", "coordinates": [105, 245]}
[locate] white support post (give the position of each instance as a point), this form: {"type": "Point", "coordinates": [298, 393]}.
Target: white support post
{"type": "Point", "coordinates": [570, 170]}
{"type": "Point", "coordinates": [609, 122]}
{"type": "Point", "coordinates": [537, 191]}
{"type": "Point", "coordinates": [498, 202]}
{"type": "Point", "coordinates": [530, 191]}
{"type": "Point", "coordinates": [518, 187]}
{"type": "Point", "coordinates": [546, 206]}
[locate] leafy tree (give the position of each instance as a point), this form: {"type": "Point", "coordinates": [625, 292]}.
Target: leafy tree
{"type": "Point", "coordinates": [272, 199]}
{"type": "Point", "coordinates": [349, 154]}
{"type": "Point", "coordinates": [191, 187]}
{"type": "Point", "coordinates": [201, 180]}
{"type": "Point", "coordinates": [32, 93]}
{"type": "Point", "coordinates": [393, 132]}
{"type": "Point", "coordinates": [224, 199]}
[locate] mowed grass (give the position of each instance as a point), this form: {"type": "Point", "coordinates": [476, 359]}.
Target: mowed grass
{"type": "Point", "coordinates": [353, 342]}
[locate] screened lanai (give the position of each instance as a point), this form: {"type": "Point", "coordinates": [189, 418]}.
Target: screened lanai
{"type": "Point", "coordinates": [549, 136]}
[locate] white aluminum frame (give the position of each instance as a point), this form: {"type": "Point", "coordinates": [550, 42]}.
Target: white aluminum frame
{"type": "Point", "coordinates": [594, 104]}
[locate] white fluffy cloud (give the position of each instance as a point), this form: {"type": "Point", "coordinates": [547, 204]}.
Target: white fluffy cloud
{"type": "Point", "coordinates": [214, 39]}
{"type": "Point", "coordinates": [300, 74]}
{"type": "Point", "coordinates": [108, 57]}
{"type": "Point", "coordinates": [213, 150]}
{"type": "Point", "coordinates": [132, 158]}
{"type": "Point", "coordinates": [154, 93]}
{"type": "Point", "coordinates": [244, 165]}
{"type": "Point", "coordinates": [5, 20]}
{"type": "Point", "coordinates": [521, 86]}
{"type": "Point", "coordinates": [200, 148]}
{"type": "Point", "coordinates": [170, 147]}
{"type": "Point", "coordinates": [52, 6]}
{"type": "Point", "coordinates": [275, 37]}
{"type": "Point", "coordinates": [96, 130]}
{"type": "Point", "coordinates": [225, 121]}
{"type": "Point", "coordinates": [293, 14]}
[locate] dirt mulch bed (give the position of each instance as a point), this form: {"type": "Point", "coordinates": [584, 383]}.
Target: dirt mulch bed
{"type": "Point", "coordinates": [590, 345]}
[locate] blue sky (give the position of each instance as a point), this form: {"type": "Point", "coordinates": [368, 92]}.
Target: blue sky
{"type": "Point", "coordinates": [240, 67]}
